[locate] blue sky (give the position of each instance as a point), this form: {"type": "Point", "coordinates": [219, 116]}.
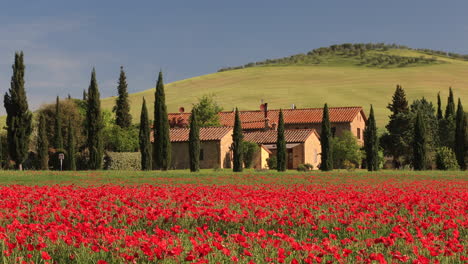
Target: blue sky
{"type": "Point", "coordinates": [63, 40]}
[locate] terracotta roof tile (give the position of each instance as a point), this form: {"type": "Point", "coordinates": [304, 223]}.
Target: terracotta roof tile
{"type": "Point", "coordinates": [206, 133]}
{"type": "Point", "coordinates": [270, 136]}
{"type": "Point", "coordinates": [256, 118]}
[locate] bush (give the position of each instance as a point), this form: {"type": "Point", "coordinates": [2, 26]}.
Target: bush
{"type": "Point", "coordinates": [250, 149]}
{"type": "Point", "coordinates": [446, 159]}
{"type": "Point", "coordinates": [305, 167]}
{"type": "Point", "coordinates": [271, 162]}
{"type": "Point", "coordinates": [346, 150]}
{"type": "Point", "coordinates": [119, 139]}
{"type": "Point", "coordinates": [350, 166]}
{"type": "Point", "coordinates": [122, 161]}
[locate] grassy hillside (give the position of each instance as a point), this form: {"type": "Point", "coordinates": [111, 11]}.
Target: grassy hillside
{"type": "Point", "coordinates": [333, 81]}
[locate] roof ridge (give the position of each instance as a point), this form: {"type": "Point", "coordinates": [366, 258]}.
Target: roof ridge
{"type": "Point", "coordinates": [288, 109]}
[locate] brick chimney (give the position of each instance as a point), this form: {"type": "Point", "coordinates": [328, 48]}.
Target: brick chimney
{"type": "Point", "coordinates": [264, 107]}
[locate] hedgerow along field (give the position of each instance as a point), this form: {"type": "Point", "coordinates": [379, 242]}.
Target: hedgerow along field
{"type": "Point", "coordinates": [223, 217]}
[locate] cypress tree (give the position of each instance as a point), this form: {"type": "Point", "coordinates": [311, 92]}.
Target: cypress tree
{"type": "Point", "coordinates": [371, 144]}
{"type": "Point", "coordinates": [94, 125]}
{"type": "Point", "coordinates": [419, 143]}
{"type": "Point", "coordinates": [71, 160]}
{"type": "Point", "coordinates": [122, 107]}
{"type": "Point", "coordinates": [19, 118]}
{"type": "Point", "coordinates": [447, 125]}
{"type": "Point", "coordinates": [237, 138]}
{"type": "Point", "coordinates": [395, 142]}
{"type": "Point", "coordinates": [439, 107]}
{"type": "Point", "coordinates": [460, 136]}
{"type": "Point", "coordinates": [42, 144]}
{"type": "Point", "coordinates": [194, 142]}
{"type": "Point", "coordinates": [144, 138]}
{"type": "Point", "coordinates": [450, 108]}
{"type": "Point", "coordinates": [85, 95]}
{"type": "Point", "coordinates": [162, 141]}
{"type": "Point", "coordinates": [325, 137]}
{"type": "Point", "coordinates": [281, 145]}
{"type": "Point", "coordinates": [58, 144]}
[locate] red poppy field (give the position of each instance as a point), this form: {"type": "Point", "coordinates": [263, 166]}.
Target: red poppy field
{"type": "Point", "coordinates": [316, 218]}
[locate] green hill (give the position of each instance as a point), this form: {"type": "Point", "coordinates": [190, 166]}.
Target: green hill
{"type": "Point", "coordinates": [339, 78]}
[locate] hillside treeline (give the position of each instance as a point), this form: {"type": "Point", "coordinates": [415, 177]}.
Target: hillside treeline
{"type": "Point", "coordinates": [359, 54]}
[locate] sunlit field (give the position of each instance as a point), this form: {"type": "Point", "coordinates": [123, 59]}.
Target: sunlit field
{"type": "Point", "coordinates": [225, 217]}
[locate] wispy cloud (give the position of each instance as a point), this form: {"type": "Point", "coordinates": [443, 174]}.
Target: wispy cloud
{"type": "Point", "coordinates": [51, 70]}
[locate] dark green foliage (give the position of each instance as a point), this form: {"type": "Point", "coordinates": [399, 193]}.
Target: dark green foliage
{"type": "Point", "coordinates": [42, 145]}
{"type": "Point", "coordinates": [371, 144]}
{"type": "Point", "coordinates": [450, 108]}
{"type": "Point", "coordinates": [419, 144]}
{"type": "Point", "coordinates": [325, 141]}
{"type": "Point", "coordinates": [94, 125]}
{"type": "Point", "coordinates": [122, 107]}
{"type": "Point", "coordinates": [281, 152]}
{"type": "Point", "coordinates": [346, 151]}
{"type": "Point", "coordinates": [122, 161]}
{"type": "Point", "coordinates": [162, 141]}
{"type": "Point", "coordinates": [19, 118]}
{"type": "Point", "coordinates": [250, 150]}
{"type": "Point", "coordinates": [439, 108]}
{"type": "Point", "coordinates": [237, 145]}
{"type": "Point", "coordinates": [85, 95]}
{"type": "Point", "coordinates": [431, 124]}
{"type": "Point", "coordinates": [70, 158]}
{"type": "Point", "coordinates": [271, 162]}
{"type": "Point", "coordinates": [194, 142]}
{"type": "Point", "coordinates": [121, 139]}
{"type": "Point", "coordinates": [207, 110]}
{"type": "Point", "coordinates": [446, 159]}
{"type": "Point", "coordinates": [460, 136]}
{"type": "Point", "coordinates": [69, 110]}
{"type": "Point", "coordinates": [396, 142]}
{"type": "Point", "coordinates": [354, 54]}
{"type": "Point", "coordinates": [58, 143]}
{"type": "Point", "coordinates": [447, 125]}
{"type": "Point", "coordinates": [144, 138]}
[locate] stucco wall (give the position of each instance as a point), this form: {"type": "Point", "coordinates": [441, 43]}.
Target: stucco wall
{"type": "Point", "coordinates": [298, 155]}
{"type": "Point", "coordinates": [225, 154]}
{"type": "Point", "coordinates": [360, 123]}
{"type": "Point", "coordinates": [312, 151]}
{"type": "Point", "coordinates": [260, 159]}
{"type": "Point", "coordinates": [211, 155]}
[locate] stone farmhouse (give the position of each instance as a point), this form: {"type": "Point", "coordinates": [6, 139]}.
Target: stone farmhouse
{"type": "Point", "coordinates": [215, 147]}
{"type": "Point", "coordinates": [303, 146]}
{"type": "Point", "coordinates": [302, 133]}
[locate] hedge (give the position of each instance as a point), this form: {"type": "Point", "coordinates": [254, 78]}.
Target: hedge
{"type": "Point", "coordinates": [122, 161]}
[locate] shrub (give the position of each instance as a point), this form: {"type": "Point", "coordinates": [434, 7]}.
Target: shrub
{"type": "Point", "coordinates": [250, 149]}
{"type": "Point", "coordinates": [119, 139]}
{"type": "Point", "coordinates": [309, 166]}
{"type": "Point", "coordinates": [271, 162]}
{"type": "Point", "coordinates": [122, 161]}
{"type": "Point", "coordinates": [304, 167]}
{"type": "Point", "coordinates": [346, 150]}
{"type": "Point", "coordinates": [446, 159]}
{"type": "Point", "coordinates": [69, 111]}
{"type": "Point", "coordinates": [350, 166]}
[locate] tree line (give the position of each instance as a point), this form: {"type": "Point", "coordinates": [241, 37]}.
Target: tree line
{"type": "Point", "coordinates": [421, 137]}
{"type": "Point", "coordinates": [356, 53]}
{"type": "Point", "coordinates": [417, 135]}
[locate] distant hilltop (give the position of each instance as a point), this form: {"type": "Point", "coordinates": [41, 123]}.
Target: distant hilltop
{"type": "Point", "coordinates": [359, 54]}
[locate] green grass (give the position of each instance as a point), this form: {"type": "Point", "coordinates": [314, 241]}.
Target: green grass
{"type": "Point", "coordinates": [217, 177]}
{"type": "Point", "coordinates": [338, 83]}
